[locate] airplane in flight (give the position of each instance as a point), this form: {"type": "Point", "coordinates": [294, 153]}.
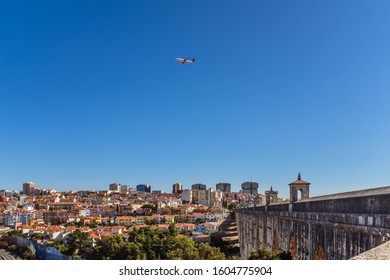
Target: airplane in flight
{"type": "Point", "coordinates": [185, 60]}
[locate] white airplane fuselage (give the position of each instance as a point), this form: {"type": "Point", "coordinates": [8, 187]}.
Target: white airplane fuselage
{"type": "Point", "coordinates": [185, 60]}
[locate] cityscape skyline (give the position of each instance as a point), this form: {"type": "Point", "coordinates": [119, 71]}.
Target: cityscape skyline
{"type": "Point", "coordinates": [143, 187]}
{"type": "Point", "coordinates": [244, 187]}
{"type": "Point", "coordinates": [91, 94]}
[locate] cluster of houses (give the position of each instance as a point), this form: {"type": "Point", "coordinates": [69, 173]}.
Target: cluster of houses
{"type": "Point", "coordinates": [105, 213]}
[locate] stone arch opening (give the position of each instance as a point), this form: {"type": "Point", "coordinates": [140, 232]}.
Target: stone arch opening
{"type": "Point", "coordinates": [300, 194]}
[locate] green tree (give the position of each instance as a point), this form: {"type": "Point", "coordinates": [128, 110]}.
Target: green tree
{"type": "Point", "coordinates": [59, 245]}
{"type": "Point", "coordinates": [130, 251]}
{"type": "Point", "coordinates": [207, 252]}
{"type": "Point", "coordinates": [152, 243]}
{"type": "Point", "coordinates": [173, 231]}
{"type": "Point", "coordinates": [77, 242]}
{"type": "Point", "coordinates": [265, 254]}
{"type": "Point", "coordinates": [36, 236]}
{"type": "Point", "coordinates": [107, 248]}
{"type": "Point", "coordinates": [232, 210]}
{"type": "Point", "coordinates": [14, 233]}
{"type": "Point", "coordinates": [283, 255]}
{"type": "Point", "coordinates": [184, 249]}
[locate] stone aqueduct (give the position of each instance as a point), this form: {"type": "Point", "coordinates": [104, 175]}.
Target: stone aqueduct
{"type": "Point", "coordinates": [337, 226]}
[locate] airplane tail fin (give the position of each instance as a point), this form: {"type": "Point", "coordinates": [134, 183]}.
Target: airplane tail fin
{"type": "Point", "coordinates": [193, 60]}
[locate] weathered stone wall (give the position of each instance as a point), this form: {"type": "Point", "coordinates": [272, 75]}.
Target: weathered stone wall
{"type": "Point", "coordinates": [373, 204]}
{"type": "Point", "coordinates": [308, 235]}
{"type": "Point", "coordinates": [382, 252]}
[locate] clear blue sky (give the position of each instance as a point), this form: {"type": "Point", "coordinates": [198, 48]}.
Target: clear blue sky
{"type": "Point", "coordinates": [91, 93]}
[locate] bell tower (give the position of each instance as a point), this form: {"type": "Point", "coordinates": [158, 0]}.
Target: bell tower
{"type": "Point", "coordinates": [299, 185]}
{"type": "Point", "coordinates": [271, 196]}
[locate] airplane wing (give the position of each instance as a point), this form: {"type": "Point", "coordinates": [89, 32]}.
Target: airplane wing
{"type": "Point", "coordinates": [190, 61]}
